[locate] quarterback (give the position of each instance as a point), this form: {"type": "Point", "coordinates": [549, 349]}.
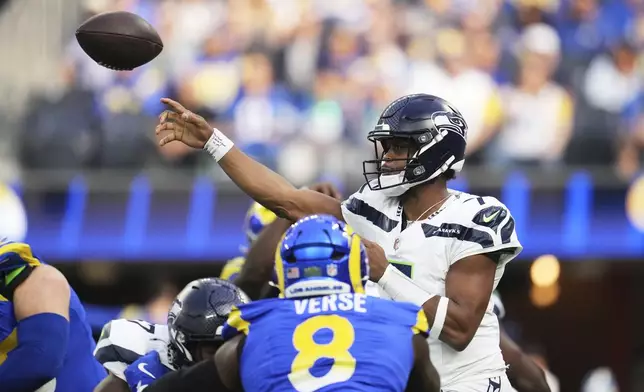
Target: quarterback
{"type": "Point", "coordinates": [437, 248]}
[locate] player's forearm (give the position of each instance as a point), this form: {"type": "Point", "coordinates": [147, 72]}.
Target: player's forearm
{"type": "Point", "coordinates": [524, 374]}
{"type": "Point", "coordinates": [527, 376]}
{"type": "Point", "coordinates": [459, 325]}
{"type": "Point", "coordinates": [111, 383]}
{"type": "Point", "coordinates": [42, 342]}
{"type": "Point", "coordinates": [448, 320]}
{"type": "Point", "coordinates": [262, 184]}
{"type": "Point", "coordinates": [203, 376]}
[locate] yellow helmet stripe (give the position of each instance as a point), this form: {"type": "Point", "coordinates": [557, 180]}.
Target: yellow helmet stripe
{"type": "Point", "coordinates": [279, 267]}
{"type": "Point", "coordinates": [354, 262]}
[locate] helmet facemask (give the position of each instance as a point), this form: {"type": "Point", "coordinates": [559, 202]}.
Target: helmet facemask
{"type": "Point", "coordinates": [412, 173]}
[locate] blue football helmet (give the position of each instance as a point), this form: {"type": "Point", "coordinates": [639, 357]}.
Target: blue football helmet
{"type": "Point", "coordinates": [257, 218]}
{"type": "Point", "coordinates": [320, 255]}
{"type": "Point", "coordinates": [436, 129]}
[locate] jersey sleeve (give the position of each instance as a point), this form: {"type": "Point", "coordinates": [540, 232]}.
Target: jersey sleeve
{"type": "Point", "coordinates": [364, 212]}
{"type": "Point", "coordinates": [499, 309]}
{"type": "Point", "coordinates": [232, 268]}
{"type": "Point", "coordinates": [241, 318]}
{"type": "Point", "coordinates": [121, 343]}
{"type": "Point", "coordinates": [16, 263]}
{"type": "Point", "coordinates": [486, 227]}
{"type": "Point", "coordinates": [421, 325]}
{"type": "Point", "coordinates": [410, 315]}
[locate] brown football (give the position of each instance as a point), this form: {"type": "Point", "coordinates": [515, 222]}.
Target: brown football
{"type": "Point", "coordinates": [119, 40]}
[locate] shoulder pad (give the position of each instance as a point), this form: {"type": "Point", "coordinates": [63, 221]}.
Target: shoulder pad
{"type": "Point", "coordinates": [243, 316]}
{"type": "Point", "coordinates": [406, 313]}
{"type": "Point", "coordinates": [123, 341]}
{"type": "Point", "coordinates": [421, 326]}
{"type": "Point", "coordinates": [15, 255]}
{"type": "Point", "coordinates": [369, 205]}
{"type": "Point", "coordinates": [481, 225]}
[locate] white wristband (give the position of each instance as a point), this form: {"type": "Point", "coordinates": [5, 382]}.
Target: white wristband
{"type": "Point", "coordinates": [402, 289]}
{"type": "Point", "coordinates": [439, 318]}
{"type": "Point", "coordinates": [218, 145]}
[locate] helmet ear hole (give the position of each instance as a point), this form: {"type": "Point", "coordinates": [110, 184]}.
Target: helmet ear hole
{"type": "Point", "coordinates": [289, 258]}
{"type": "Point", "coordinates": [337, 255]}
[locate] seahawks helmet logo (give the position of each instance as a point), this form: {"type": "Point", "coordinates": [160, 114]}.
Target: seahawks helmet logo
{"type": "Point", "coordinates": [451, 122]}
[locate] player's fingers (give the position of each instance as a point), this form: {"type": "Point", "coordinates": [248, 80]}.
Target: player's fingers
{"type": "Point", "coordinates": [333, 192]}
{"type": "Point", "coordinates": [174, 105]}
{"type": "Point", "coordinates": [194, 119]}
{"type": "Point", "coordinates": [171, 116]}
{"type": "Point", "coordinates": [166, 126]}
{"type": "Point", "coordinates": [366, 242]}
{"type": "Point", "coordinates": [167, 139]}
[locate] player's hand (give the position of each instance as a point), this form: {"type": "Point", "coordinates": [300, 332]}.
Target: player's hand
{"type": "Point", "coordinates": [378, 262]}
{"type": "Point", "coordinates": [326, 188]}
{"type": "Point", "coordinates": [144, 371]}
{"type": "Point", "coordinates": [182, 125]}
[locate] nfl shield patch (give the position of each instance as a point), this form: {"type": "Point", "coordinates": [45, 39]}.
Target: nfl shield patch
{"type": "Point", "coordinates": [292, 273]}
{"type": "Point", "coordinates": [332, 270]}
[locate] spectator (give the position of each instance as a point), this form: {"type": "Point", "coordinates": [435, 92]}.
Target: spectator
{"type": "Point", "coordinates": [538, 112]}
{"type": "Point", "coordinates": [631, 147]}
{"type": "Point", "coordinates": [472, 91]}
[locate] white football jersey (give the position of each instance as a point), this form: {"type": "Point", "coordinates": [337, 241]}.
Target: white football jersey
{"type": "Point", "coordinates": [465, 225]}
{"type": "Point", "coordinates": [123, 341]}
{"type": "Point", "coordinates": [499, 309]}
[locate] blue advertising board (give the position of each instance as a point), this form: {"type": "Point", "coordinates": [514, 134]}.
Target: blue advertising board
{"type": "Point", "coordinates": [575, 221]}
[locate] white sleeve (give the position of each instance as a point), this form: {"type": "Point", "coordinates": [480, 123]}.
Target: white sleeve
{"type": "Point", "coordinates": [122, 342]}
{"type": "Point", "coordinates": [365, 210]}
{"type": "Point", "coordinates": [485, 229]}
{"type": "Point", "coordinates": [499, 309]}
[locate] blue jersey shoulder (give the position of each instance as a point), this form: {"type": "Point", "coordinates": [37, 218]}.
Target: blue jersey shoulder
{"type": "Point", "coordinates": [14, 255]}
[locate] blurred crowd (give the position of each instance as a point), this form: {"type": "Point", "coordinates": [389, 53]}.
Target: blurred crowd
{"type": "Point", "coordinates": [299, 83]}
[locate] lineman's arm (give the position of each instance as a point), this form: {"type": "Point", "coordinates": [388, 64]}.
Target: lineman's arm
{"type": "Point", "coordinates": [262, 184]}
{"type": "Point", "coordinates": [524, 374]}
{"type": "Point", "coordinates": [260, 260]}
{"type": "Point", "coordinates": [111, 383]}
{"type": "Point", "coordinates": [41, 306]}
{"type": "Point", "coordinates": [424, 376]}
{"type": "Point", "coordinates": [220, 373]}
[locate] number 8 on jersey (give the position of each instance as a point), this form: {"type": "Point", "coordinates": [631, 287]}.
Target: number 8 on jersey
{"type": "Point", "coordinates": [310, 351]}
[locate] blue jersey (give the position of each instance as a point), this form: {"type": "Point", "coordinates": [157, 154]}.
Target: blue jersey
{"type": "Point", "coordinates": [80, 372]}
{"type": "Point", "coordinates": [345, 342]}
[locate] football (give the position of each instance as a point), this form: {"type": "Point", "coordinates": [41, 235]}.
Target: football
{"type": "Point", "coordinates": [119, 40]}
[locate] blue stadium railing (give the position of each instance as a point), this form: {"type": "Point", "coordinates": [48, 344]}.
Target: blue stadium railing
{"type": "Point", "coordinates": [202, 221]}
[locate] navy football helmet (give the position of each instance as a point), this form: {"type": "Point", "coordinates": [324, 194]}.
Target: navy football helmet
{"type": "Point", "coordinates": [320, 255]}
{"type": "Point", "coordinates": [435, 129]}
{"type": "Point", "coordinates": [197, 316]}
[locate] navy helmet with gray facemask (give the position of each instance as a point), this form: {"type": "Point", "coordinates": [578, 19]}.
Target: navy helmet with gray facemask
{"type": "Point", "coordinates": [197, 317]}
{"type": "Point", "coordinates": [436, 132]}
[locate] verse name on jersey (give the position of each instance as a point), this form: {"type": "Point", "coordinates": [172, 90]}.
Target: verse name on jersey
{"type": "Point", "coordinates": [332, 303]}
